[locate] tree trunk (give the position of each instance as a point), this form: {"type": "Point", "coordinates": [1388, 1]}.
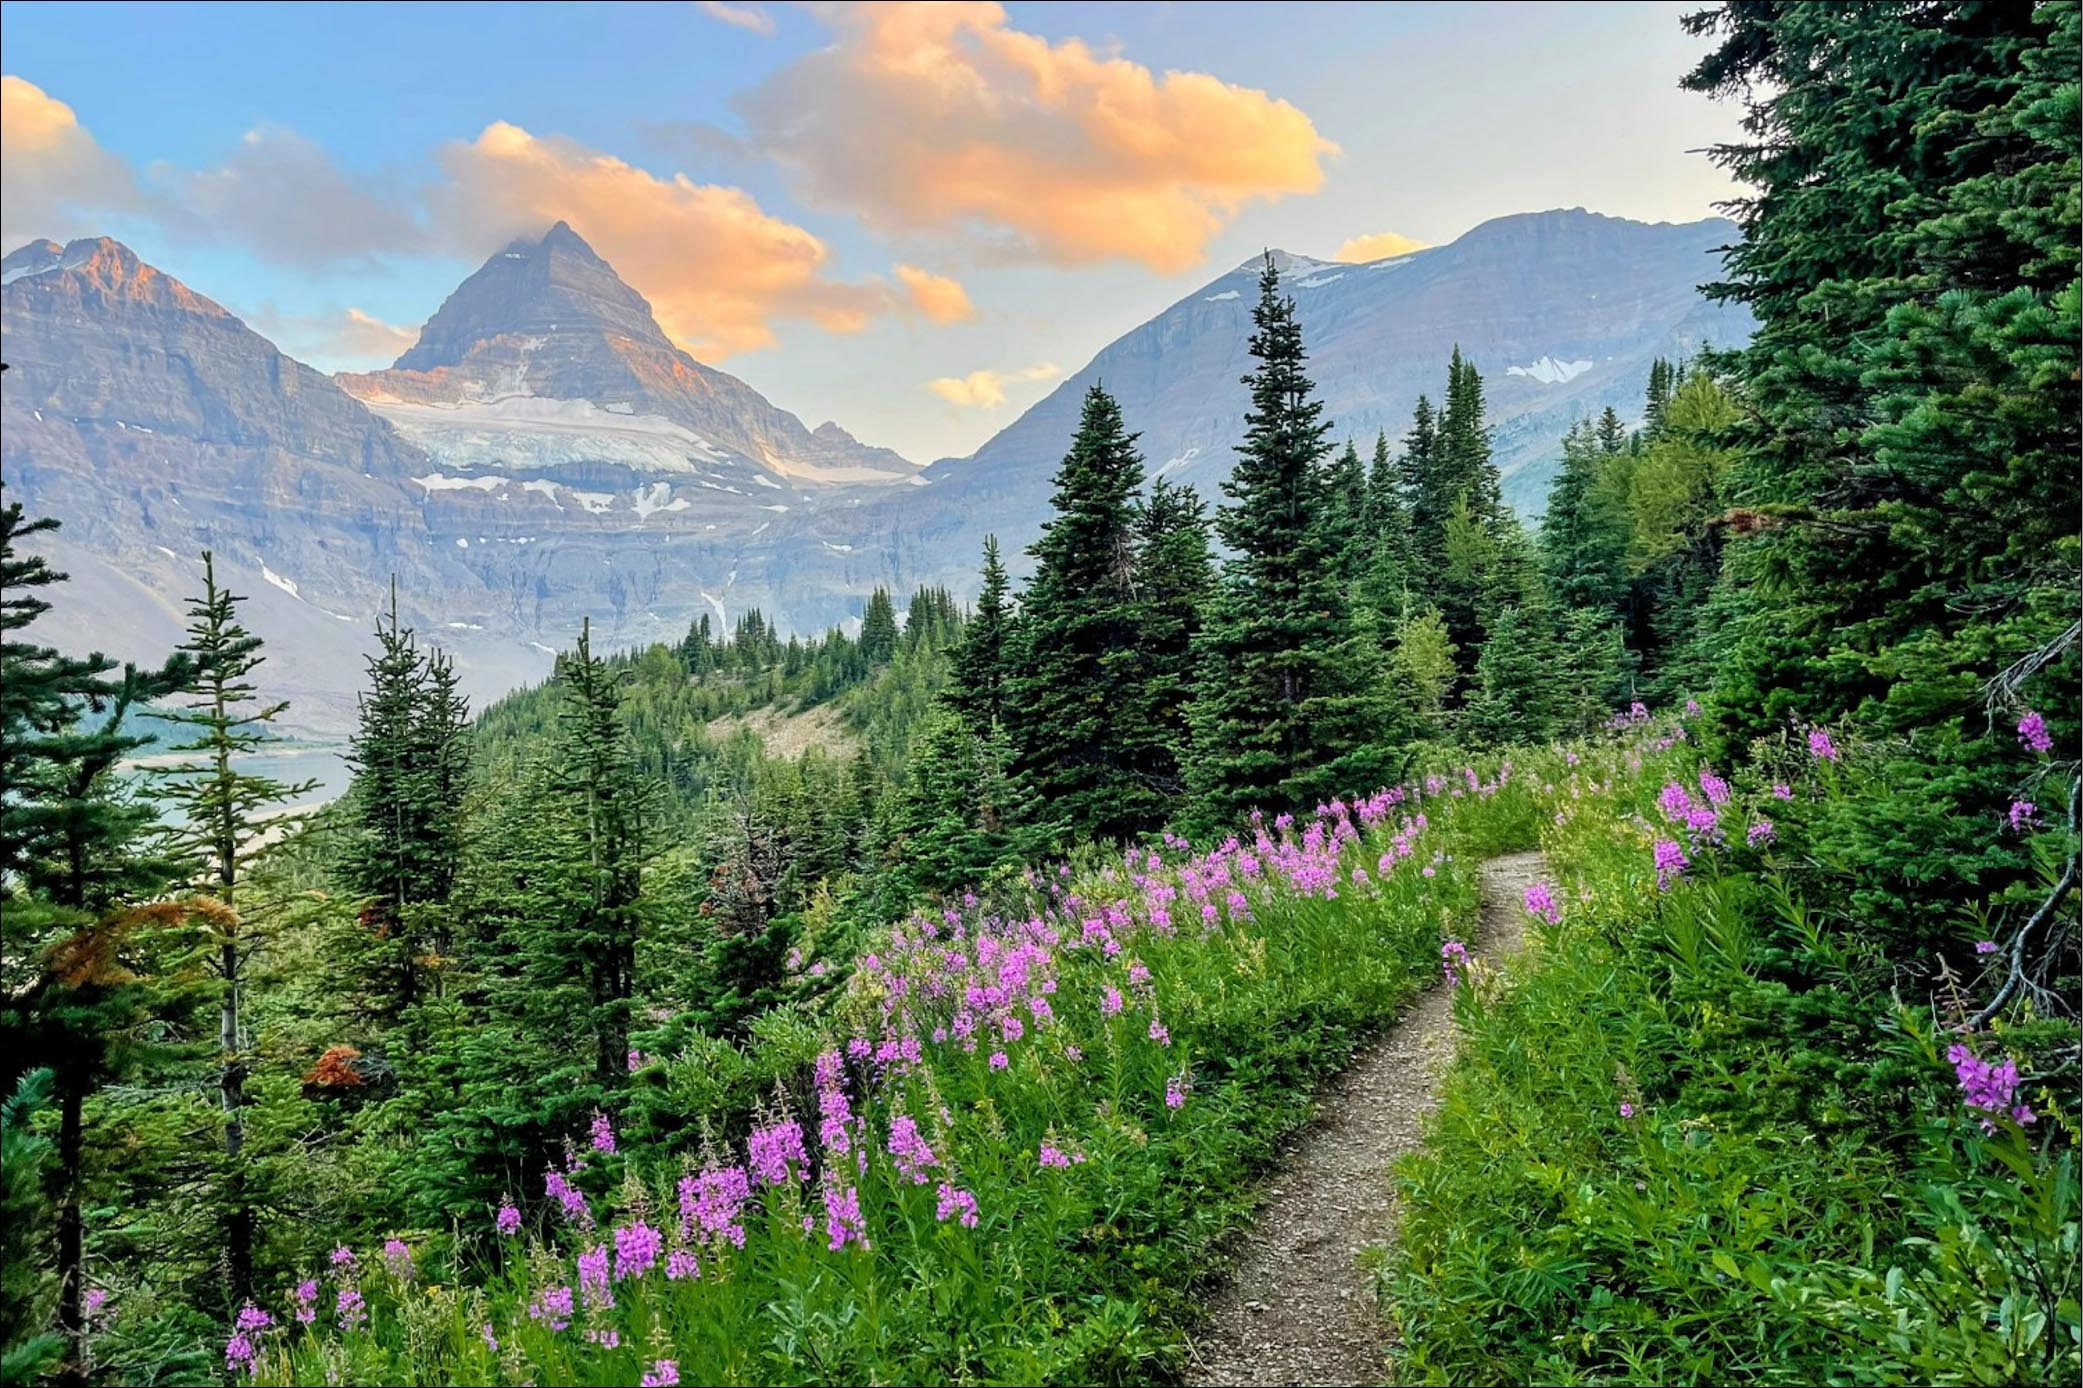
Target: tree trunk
{"type": "Point", "coordinates": [72, 1315]}
{"type": "Point", "coordinates": [238, 1218]}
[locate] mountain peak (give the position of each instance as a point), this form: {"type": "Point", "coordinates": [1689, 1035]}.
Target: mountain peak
{"type": "Point", "coordinates": [535, 290]}
{"type": "Point", "coordinates": [105, 266]}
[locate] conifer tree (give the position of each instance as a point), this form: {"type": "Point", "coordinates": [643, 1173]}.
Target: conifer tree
{"type": "Point", "coordinates": [1080, 730]}
{"type": "Point", "coordinates": [1662, 380]}
{"type": "Point", "coordinates": [597, 785]}
{"type": "Point", "coordinates": [960, 815]}
{"type": "Point", "coordinates": [976, 682]}
{"type": "Point", "coordinates": [1423, 497]}
{"type": "Point", "coordinates": [1176, 573]}
{"type": "Point", "coordinates": [74, 863]}
{"type": "Point", "coordinates": [223, 811]}
{"type": "Point", "coordinates": [1583, 541]}
{"type": "Point", "coordinates": [1286, 705]}
{"type": "Point", "coordinates": [1386, 517]}
{"type": "Point", "coordinates": [402, 805]}
{"type": "Point", "coordinates": [1909, 481]}
{"type": "Point", "coordinates": [1612, 434]}
{"type": "Point", "coordinates": [1345, 511]}
{"type": "Point", "coordinates": [879, 629]}
{"type": "Point", "coordinates": [1512, 702]}
{"type": "Point", "coordinates": [1463, 466]}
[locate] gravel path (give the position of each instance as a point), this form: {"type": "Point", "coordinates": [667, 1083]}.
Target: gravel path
{"type": "Point", "coordinates": [1299, 1309]}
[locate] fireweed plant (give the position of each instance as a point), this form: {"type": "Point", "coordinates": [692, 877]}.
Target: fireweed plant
{"type": "Point", "coordinates": [1710, 1133]}
{"type": "Point", "coordinates": [1008, 1149]}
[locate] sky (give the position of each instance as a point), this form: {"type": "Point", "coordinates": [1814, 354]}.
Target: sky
{"type": "Point", "coordinates": [909, 218]}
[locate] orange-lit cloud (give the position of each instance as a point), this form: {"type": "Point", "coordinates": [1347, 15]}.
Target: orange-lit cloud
{"type": "Point", "coordinates": [943, 117]}
{"type": "Point", "coordinates": [55, 179]}
{"type": "Point", "coordinates": [939, 298]}
{"type": "Point", "coordinates": [1378, 245]}
{"type": "Point", "coordinates": [985, 390]}
{"type": "Point", "coordinates": [717, 269]}
{"type": "Point", "coordinates": [749, 17]}
{"type": "Point", "coordinates": [350, 339]}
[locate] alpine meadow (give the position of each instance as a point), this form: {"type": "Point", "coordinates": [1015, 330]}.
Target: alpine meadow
{"type": "Point", "coordinates": [1503, 811]}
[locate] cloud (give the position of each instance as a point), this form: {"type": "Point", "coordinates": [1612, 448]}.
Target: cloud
{"type": "Point", "coordinates": [55, 179]}
{"type": "Point", "coordinates": [347, 340]}
{"type": "Point", "coordinates": [751, 17]}
{"type": "Point", "coordinates": [717, 269]}
{"type": "Point", "coordinates": [943, 117]}
{"type": "Point", "coordinates": [985, 390]}
{"type": "Point", "coordinates": [941, 299]}
{"type": "Point", "coordinates": [1379, 245]}
{"type": "Point", "coordinates": [283, 196]}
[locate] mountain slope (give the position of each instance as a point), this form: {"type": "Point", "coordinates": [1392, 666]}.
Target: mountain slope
{"type": "Point", "coordinates": [153, 423]}
{"type": "Point", "coordinates": [557, 460]}
{"type": "Point", "coordinates": [547, 319]}
{"type": "Point", "coordinates": [1562, 311]}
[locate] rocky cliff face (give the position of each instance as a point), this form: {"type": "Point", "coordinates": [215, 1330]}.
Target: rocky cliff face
{"type": "Point", "coordinates": [155, 424]}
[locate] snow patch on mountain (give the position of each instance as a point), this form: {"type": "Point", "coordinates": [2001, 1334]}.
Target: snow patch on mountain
{"type": "Point", "coordinates": [286, 585]}
{"type": "Point", "coordinates": [1550, 372]}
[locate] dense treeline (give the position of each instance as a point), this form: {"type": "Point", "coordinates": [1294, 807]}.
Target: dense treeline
{"type": "Point", "coordinates": [234, 1040]}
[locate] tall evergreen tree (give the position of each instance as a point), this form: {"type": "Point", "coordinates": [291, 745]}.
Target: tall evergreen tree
{"type": "Point", "coordinates": [599, 788]}
{"type": "Point", "coordinates": [1080, 731]}
{"type": "Point", "coordinates": [879, 628]}
{"type": "Point", "coordinates": [976, 683]}
{"type": "Point", "coordinates": [1427, 505]}
{"type": "Point", "coordinates": [1176, 573]}
{"type": "Point", "coordinates": [1286, 703]}
{"type": "Point", "coordinates": [1663, 379]}
{"type": "Point", "coordinates": [1583, 539]}
{"type": "Point", "coordinates": [74, 860]}
{"type": "Point", "coordinates": [1908, 495]}
{"type": "Point", "coordinates": [1345, 511]}
{"type": "Point", "coordinates": [222, 813]}
{"type": "Point", "coordinates": [1463, 466]}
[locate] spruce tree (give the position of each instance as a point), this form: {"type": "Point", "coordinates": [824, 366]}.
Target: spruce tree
{"type": "Point", "coordinates": [1345, 511]}
{"type": "Point", "coordinates": [222, 814]}
{"type": "Point", "coordinates": [1080, 729]}
{"type": "Point", "coordinates": [75, 863]}
{"type": "Point", "coordinates": [1513, 698]}
{"type": "Point", "coordinates": [960, 815]}
{"type": "Point", "coordinates": [1286, 707]}
{"type": "Point", "coordinates": [1386, 516]}
{"type": "Point", "coordinates": [1908, 488]}
{"type": "Point", "coordinates": [1612, 434]}
{"type": "Point", "coordinates": [1583, 541]}
{"type": "Point", "coordinates": [1463, 466]}
{"type": "Point", "coordinates": [597, 785]}
{"type": "Point", "coordinates": [879, 629]}
{"type": "Point", "coordinates": [976, 681]}
{"type": "Point", "coordinates": [1662, 379]}
{"type": "Point", "coordinates": [1176, 573]}
{"type": "Point", "coordinates": [1423, 498]}
{"type": "Point", "coordinates": [386, 861]}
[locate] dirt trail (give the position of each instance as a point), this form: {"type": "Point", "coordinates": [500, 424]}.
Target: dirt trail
{"type": "Point", "coordinates": [1299, 1309]}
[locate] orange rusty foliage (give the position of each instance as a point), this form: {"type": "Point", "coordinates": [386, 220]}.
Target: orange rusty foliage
{"type": "Point", "coordinates": [335, 1069]}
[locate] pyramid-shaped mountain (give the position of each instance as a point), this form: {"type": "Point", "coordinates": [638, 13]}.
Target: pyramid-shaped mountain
{"type": "Point", "coordinates": [545, 344]}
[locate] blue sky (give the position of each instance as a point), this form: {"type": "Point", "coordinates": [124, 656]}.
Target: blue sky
{"type": "Point", "coordinates": [1042, 158]}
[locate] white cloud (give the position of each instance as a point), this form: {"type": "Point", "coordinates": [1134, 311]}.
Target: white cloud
{"type": "Point", "coordinates": [749, 17]}
{"type": "Point", "coordinates": [985, 390]}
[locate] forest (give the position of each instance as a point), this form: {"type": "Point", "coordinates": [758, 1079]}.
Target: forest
{"type": "Point", "coordinates": [588, 1039]}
